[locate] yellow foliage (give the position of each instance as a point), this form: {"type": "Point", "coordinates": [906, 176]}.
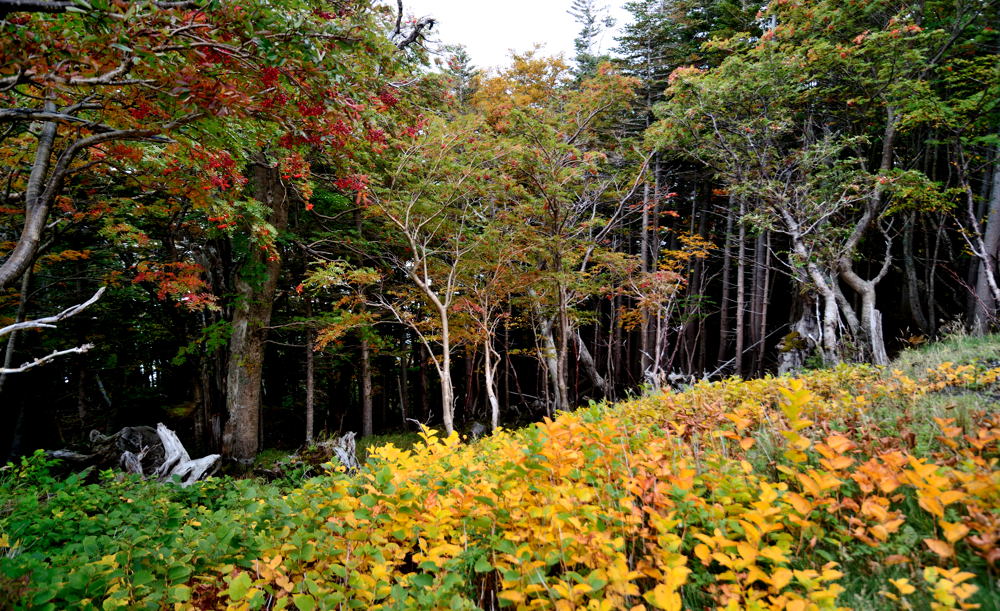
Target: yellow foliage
{"type": "Point", "coordinates": [717, 496]}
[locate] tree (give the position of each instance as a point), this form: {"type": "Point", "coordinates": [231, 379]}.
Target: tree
{"type": "Point", "coordinates": [214, 85]}
{"type": "Point", "coordinates": [574, 185]}
{"type": "Point", "coordinates": [764, 122]}
{"type": "Point", "coordinates": [429, 204]}
{"type": "Point", "coordinates": [593, 19]}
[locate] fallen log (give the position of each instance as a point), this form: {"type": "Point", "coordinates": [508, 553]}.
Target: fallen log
{"type": "Point", "coordinates": [156, 453]}
{"type": "Point", "coordinates": [178, 462]}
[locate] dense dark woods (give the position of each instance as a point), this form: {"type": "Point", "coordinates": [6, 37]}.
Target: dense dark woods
{"type": "Point", "coordinates": [309, 220]}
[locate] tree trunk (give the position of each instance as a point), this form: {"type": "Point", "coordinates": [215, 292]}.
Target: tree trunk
{"type": "Point", "coordinates": [912, 283]}
{"type": "Point", "coordinates": [367, 426]}
{"type": "Point", "coordinates": [801, 341]}
{"type": "Point", "coordinates": [310, 378]}
{"type": "Point", "coordinates": [871, 320]}
{"type": "Point", "coordinates": [549, 353]}
{"type": "Point", "coordinates": [22, 308]}
{"type": "Point", "coordinates": [727, 288]}
{"type": "Point", "coordinates": [986, 305]}
{"type": "Point", "coordinates": [251, 316]}
{"type": "Point", "coordinates": [469, 401]}
{"type": "Point", "coordinates": [644, 330]}
{"type": "Point", "coordinates": [740, 293]}
{"type": "Point", "coordinates": [425, 383]}
{"type": "Point", "coordinates": [757, 296]}
{"type": "Point", "coordinates": [565, 329]}
{"type": "Point", "coordinates": [587, 360]}
{"type": "Point", "coordinates": [36, 206]}
{"type": "Point", "coordinates": [490, 373]}
{"type": "Point", "coordinates": [765, 300]}
{"type": "Point", "coordinates": [830, 350]}
{"type": "Point", "coordinates": [402, 378]}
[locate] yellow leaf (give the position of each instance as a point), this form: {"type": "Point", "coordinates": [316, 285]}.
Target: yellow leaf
{"type": "Point", "coordinates": [903, 585]}
{"type": "Point", "coordinates": [513, 596]}
{"type": "Point", "coordinates": [838, 463]}
{"type": "Point", "coordinates": [809, 485]}
{"type": "Point", "coordinates": [703, 553]}
{"type": "Point", "coordinates": [747, 552]}
{"type": "Point", "coordinates": [950, 496]}
{"type": "Point", "coordinates": [284, 583]}
{"type": "Point", "coordinates": [839, 443]}
{"type": "Point", "coordinates": [953, 532]}
{"type": "Point", "coordinates": [774, 554]}
{"type": "Point", "coordinates": [942, 549]}
{"type": "Point", "coordinates": [931, 504]}
{"type": "Point", "coordinates": [663, 597]}
{"type": "Point", "coordinates": [796, 605]}
{"type": "Point", "coordinates": [799, 504]}
{"type": "Point", "coordinates": [780, 578]}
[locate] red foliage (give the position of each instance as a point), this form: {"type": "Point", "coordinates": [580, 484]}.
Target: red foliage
{"type": "Point", "coordinates": [352, 182]}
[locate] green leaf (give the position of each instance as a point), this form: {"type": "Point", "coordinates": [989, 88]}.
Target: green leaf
{"type": "Point", "coordinates": [483, 565]}
{"type": "Point", "coordinates": [142, 577]}
{"type": "Point", "coordinates": [238, 587]}
{"type": "Point", "coordinates": [422, 580]}
{"type": "Point", "coordinates": [178, 572]}
{"type": "Point", "coordinates": [180, 593]}
{"type": "Point", "coordinates": [304, 602]}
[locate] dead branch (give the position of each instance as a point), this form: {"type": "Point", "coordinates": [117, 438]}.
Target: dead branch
{"type": "Point", "coordinates": [45, 359]}
{"type": "Point", "coordinates": [417, 33]}
{"type": "Point", "coordinates": [49, 321]}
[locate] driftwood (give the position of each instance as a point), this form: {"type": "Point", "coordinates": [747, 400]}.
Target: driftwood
{"type": "Point", "coordinates": [155, 453]}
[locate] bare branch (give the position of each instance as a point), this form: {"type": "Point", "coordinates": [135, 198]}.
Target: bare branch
{"type": "Point", "coordinates": [49, 321]}
{"type": "Point", "coordinates": [46, 359]}
{"type": "Point", "coordinates": [33, 6]}
{"type": "Point", "coordinates": [33, 114]}
{"type": "Point", "coordinates": [417, 33]}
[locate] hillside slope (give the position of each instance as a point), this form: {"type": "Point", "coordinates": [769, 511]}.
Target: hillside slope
{"type": "Point", "coordinates": [844, 488]}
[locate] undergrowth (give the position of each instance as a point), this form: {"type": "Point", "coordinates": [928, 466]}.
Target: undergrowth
{"type": "Point", "coordinates": [846, 488]}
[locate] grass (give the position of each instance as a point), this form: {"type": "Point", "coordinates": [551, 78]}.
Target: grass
{"type": "Point", "coordinates": [960, 348]}
{"type": "Point", "coordinates": [403, 441]}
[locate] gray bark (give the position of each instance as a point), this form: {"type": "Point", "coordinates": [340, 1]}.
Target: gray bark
{"type": "Point", "coordinates": [986, 305]}
{"type": "Point", "coordinates": [251, 316]}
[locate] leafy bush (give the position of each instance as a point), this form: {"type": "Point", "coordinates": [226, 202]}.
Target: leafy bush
{"type": "Point", "coordinates": [846, 487]}
{"type": "Point", "coordinates": [123, 542]}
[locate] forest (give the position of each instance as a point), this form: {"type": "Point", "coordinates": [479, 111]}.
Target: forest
{"type": "Point", "coordinates": [310, 219]}
{"type": "Point", "coordinates": [703, 320]}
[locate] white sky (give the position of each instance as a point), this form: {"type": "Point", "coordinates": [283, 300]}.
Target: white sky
{"type": "Point", "coordinates": [489, 29]}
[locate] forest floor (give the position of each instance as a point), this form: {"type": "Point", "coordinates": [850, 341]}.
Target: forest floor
{"type": "Point", "coordinates": [854, 487]}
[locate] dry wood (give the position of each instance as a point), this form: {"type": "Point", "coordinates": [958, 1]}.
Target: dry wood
{"type": "Point", "coordinates": [155, 453]}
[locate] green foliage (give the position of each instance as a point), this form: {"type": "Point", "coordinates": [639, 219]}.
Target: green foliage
{"type": "Point", "coordinates": [122, 542]}
{"type": "Point", "coordinates": [213, 337]}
